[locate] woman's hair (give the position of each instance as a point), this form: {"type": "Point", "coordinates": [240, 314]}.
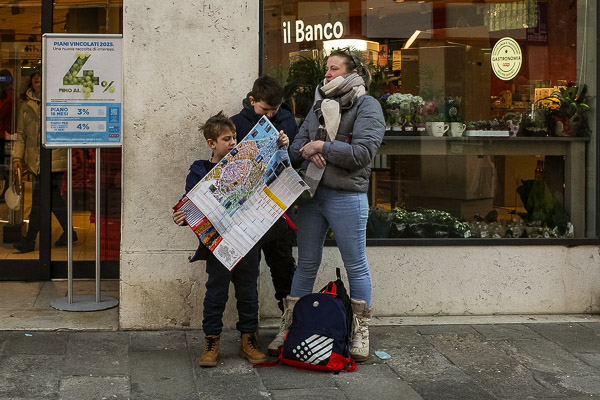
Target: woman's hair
{"type": "Point", "coordinates": [352, 63]}
{"type": "Point", "coordinates": [30, 84]}
{"type": "Point", "coordinates": [215, 125]}
{"type": "Point", "coordinates": [5, 83]}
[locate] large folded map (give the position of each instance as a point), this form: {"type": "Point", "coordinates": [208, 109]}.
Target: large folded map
{"type": "Point", "coordinates": [237, 202]}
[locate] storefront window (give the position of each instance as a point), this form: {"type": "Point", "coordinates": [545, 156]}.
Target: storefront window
{"type": "Point", "coordinates": [490, 107]}
{"type": "Point", "coordinates": [88, 16]}
{"type": "Point", "coordinates": [20, 73]}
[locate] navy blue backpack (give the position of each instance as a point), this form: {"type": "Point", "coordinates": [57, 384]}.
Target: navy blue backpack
{"type": "Point", "coordinates": [319, 336]}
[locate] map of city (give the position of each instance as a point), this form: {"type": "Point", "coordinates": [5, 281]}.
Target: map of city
{"type": "Point", "coordinates": [237, 202]}
{"type": "Point", "coordinates": [257, 159]}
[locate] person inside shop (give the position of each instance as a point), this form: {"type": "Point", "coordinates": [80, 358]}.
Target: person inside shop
{"type": "Point", "coordinates": [266, 98]}
{"type": "Point", "coordinates": [219, 132]}
{"type": "Point", "coordinates": [336, 144]}
{"type": "Point", "coordinates": [6, 108]}
{"type": "Point", "coordinates": [26, 157]}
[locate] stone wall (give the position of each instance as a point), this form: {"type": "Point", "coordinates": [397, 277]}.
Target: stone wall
{"type": "Point", "coordinates": [183, 61]}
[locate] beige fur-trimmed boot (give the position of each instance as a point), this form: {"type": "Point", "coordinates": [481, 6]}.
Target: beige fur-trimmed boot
{"type": "Point", "coordinates": [359, 348]}
{"type": "Point", "coordinates": [286, 320]}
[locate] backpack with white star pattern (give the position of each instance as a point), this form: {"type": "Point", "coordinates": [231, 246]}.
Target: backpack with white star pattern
{"type": "Point", "coordinates": [319, 336]}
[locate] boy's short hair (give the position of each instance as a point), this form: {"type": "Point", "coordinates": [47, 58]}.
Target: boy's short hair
{"type": "Point", "coordinates": [267, 89]}
{"type": "Point", "coordinates": [214, 126]}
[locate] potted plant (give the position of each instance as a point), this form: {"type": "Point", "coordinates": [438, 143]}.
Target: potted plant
{"type": "Point", "coordinates": [570, 115]}
{"type": "Point", "coordinates": [379, 222]}
{"type": "Point", "coordinates": [304, 76]}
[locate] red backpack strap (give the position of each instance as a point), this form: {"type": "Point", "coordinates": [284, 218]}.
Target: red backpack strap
{"type": "Point", "coordinates": [351, 366]}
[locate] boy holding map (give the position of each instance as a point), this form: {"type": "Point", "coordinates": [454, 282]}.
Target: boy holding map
{"type": "Point", "coordinates": [220, 136]}
{"type": "Point", "coordinates": [266, 99]}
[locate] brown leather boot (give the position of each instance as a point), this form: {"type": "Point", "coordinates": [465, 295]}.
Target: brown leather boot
{"type": "Point", "coordinates": [249, 348]}
{"type": "Point", "coordinates": [211, 351]}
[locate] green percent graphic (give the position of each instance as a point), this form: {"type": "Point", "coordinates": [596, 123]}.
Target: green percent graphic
{"type": "Point", "coordinates": [87, 80]}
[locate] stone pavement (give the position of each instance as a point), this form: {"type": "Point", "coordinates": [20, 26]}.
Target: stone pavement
{"type": "Point", "coordinates": [462, 362]}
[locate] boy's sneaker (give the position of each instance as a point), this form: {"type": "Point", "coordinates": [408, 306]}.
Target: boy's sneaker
{"type": "Point", "coordinates": [211, 351]}
{"type": "Point", "coordinates": [249, 348]}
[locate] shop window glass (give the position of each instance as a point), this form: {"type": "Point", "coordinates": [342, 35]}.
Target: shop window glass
{"type": "Point", "coordinates": [76, 16]}
{"type": "Point", "coordinates": [490, 109]}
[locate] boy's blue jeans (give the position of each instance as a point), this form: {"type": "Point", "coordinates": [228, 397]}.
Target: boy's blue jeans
{"type": "Point", "coordinates": [346, 213]}
{"type": "Point", "coordinates": [244, 277]}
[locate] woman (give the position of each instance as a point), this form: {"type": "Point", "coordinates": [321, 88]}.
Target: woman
{"type": "Point", "coordinates": [337, 143]}
{"type": "Point", "coordinates": [6, 109]}
{"type": "Point", "coordinates": [26, 153]}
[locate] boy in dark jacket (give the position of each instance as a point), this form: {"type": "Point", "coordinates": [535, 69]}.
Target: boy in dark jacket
{"type": "Point", "coordinates": [266, 99]}
{"type": "Point", "coordinates": [219, 132]}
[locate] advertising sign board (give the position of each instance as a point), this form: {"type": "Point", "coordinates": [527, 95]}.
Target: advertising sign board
{"type": "Point", "coordinates": [82, 90]}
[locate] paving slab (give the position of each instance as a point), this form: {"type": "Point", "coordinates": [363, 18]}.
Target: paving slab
{"type": "Point", "coordinates": [321, 394]}
{"type": "Point", "coordinates": [490, 366]}
{"type": "Point", "coordinates": [546, 356]}
{"type": "Point", "coordinates": [235, 386]}
{"type": "Point", "coordinates": [450, 390]}
{"type": "Point", "coordinates": [97, 353]}
{"type": "Point", "coordinates": [374, 381]}
{"type": "Point", "coordinates": [157, 340]}
{"type": "Point", "coordinates": [573, 337]}
{"type": "Point", "coordinates": [30, 376]}
{"type": "Point", "coordinates": [582, 384]}
{"type": "Point", "coordinates": [446, 330]}
{"type": "Point", "coordinates": [416, 363]}
{"type": "Point", "coordinates": [165, 374]}
{"type": "Point", "coordinates": [35, 343]}
{"type": "Point", "coordinates": [506, 332]}
{"type": "Point", "coordinates": [286, 377]}
{"type": "Point", "coordinates": [97, 387]}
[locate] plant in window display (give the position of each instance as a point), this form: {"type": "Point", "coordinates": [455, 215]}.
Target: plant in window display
{"type": "Point", "coordinates": [379, 222]}
{"type": "Point", "coordinates": [304, 76]}
{"type": "Point", "coordinates": [427, 223]}
{"type": "Point", "coordinates": [569, 111]}
{"type": "Point", "coordinates": [407, 106]}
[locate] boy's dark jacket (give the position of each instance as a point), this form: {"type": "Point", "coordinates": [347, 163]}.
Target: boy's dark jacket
{"type": "Point", "coordinates": [197, 171]}
{"type": "Point", "coordinates": [247, 118]}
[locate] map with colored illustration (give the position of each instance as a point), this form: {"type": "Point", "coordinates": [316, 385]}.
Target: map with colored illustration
{"type": "Point", "coordinates": [235, 204]}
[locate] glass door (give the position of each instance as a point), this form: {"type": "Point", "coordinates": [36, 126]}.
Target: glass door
{"type": "Point", "coordinates": [20, 95]}
{"type": "Point", "coordinates": [33, 179]}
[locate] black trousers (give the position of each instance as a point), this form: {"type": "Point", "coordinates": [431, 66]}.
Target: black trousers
{"type": "Point", "coordinates": [58, 206]}
{"type": "Point", "coordinates": [244, 277]}
{"type": "Point", "coordinates": [277, 245]}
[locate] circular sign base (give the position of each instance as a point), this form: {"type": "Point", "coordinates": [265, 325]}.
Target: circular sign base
{"type": "Point", "coordinates": [84, 303]}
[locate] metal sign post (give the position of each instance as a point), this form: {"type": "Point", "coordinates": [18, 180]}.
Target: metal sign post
{"type": "Point", "coordinates": [81, 107]}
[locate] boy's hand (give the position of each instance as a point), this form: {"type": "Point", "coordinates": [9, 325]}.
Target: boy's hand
{"type": "Point", "coordinates": [283, 141]}
{"type": "Point", "coordinates": [179, 217]}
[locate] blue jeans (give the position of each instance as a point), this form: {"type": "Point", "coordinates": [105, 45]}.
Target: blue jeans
{"type": "Point", "coordinates": [346, 213]}
{"type": "Point", "coordinates": [244, 277]}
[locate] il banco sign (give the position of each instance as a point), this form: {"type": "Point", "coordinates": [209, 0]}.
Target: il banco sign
{"type": "Point", "coordinates": [309, 33]}
{"type": "Point", "coordinates": [506, 58]}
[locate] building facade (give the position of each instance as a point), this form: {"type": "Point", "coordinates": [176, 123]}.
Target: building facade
{"type": "Point", "coordinates": [484, 194]}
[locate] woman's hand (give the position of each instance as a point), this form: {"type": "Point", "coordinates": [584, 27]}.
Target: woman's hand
{"type": "Point", "coordinates": [319, 160]}
{"type": "Point", "coordinates": [283, 140]}
{"type": "Point", "coordinates": [179, 217]}
{"type": "Point", "coordinates": [312, 148]}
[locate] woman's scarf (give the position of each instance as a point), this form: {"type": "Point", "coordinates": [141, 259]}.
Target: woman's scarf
{"type": "Point", "coordinates": [330, 99]}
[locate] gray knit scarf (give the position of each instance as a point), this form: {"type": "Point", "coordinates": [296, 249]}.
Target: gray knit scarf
{"type": "Point", "coordinates": [330, 100]}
